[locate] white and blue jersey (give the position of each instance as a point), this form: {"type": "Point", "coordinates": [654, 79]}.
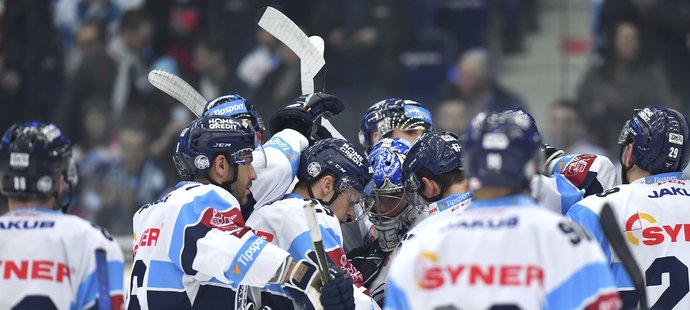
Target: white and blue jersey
{"type": "Point", "coordinates": [284, 224]}
{"type": "Point", "coordinates": [654, 214]}
{"type": "Point", "coordinates": [49, 260]}
{"type": "Point", "coordinates": [274, 178]}
{"type": "Point", "coordinates": [506, 252]}
{"type": "Point", "coordinates": [571, 178]}
{"type": "Point", "coordinates": [191, 248]}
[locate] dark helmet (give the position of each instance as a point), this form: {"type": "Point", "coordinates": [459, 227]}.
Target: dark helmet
{"type": "Point", "coordinates": [437, 152]}
{"type": "Point", "coordinates": [33, 157]}
{"type": "Point", "coordinates": [337, 156]}
{"type": "Point", "coordinates": [390, 114]}
{"type": "Point", "coordinates": [658, 135]}
{"type": "Point", "coordinates": [235, 106]}
{"type": "Point", "coordinates": [208, 136]}
{"type": "Point", "coordinates": [499, 149]}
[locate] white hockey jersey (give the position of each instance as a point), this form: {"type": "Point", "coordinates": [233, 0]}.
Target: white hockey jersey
{"type": "Point", "coordinates": [437, 211]}
{"type": "Point", "coordinates": [191, 248]}
{"type": "Point", "coordinates": [274, 178]}
{"type": "Point", "coordinates": [284, 224]}
{"type": "Point", "coordinates": [49, 260]}
{"type": "Point", "coordinates": [654, 214]}
{"type": "Point", "coordinates": [505, 252]}
{"type": "Point", "coordinates": [572, 177]}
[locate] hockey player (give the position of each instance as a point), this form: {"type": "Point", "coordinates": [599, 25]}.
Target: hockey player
{"type": "Point", "coordinates": [650, 207]}
{"type": "Point", "coordinates": [292, 129]}
{"type": "Point", "coordinates": [388, 118]}
{"type": "Point", "coordinates": [50, 260]}
{"type": "Point", "coordinates": [332, 174]}
{"type": "Point", "coordinates": [504, 251]}
{"type": "Point", "coordinates": [392, 210]}
{"type": "Point", "coordinates": [192, 249]}
{"type": "Point", "coordinates": [394, 118]}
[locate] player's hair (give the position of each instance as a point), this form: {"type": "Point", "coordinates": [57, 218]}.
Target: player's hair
{"type": "Point", "coordinates": [444, 180]}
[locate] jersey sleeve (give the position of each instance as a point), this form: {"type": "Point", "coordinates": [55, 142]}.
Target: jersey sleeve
{"type": "Point", "coordinates": [105, 262]}
{"type": "Point", "coordinates": [274, 178]}
{"type": "Point", "coordinates": [210, 241]}
{"type": "Point", "coordinates": [591, 173]}
{"type": "Point", "coordinates": [555, 193]}
{"type": "Point", "coordinates": [578, 275]}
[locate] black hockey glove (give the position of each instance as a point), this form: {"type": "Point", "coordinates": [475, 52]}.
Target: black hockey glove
{"type": "Point", "coordinates": [337, 294]}
{"type": "Point", "coordinates": [301, 115]}
{"type": "Point", "coordinates": [368, 259]}
{"type": "Point", "coordinates": [550, 153]}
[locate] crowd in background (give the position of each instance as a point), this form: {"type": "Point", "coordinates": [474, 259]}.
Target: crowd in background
{"type": "Point", "coordinates": [83, 64]}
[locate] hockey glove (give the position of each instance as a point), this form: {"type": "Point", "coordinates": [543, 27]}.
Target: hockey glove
{"type": "Point", "coordinates": [303, 113]}
{"type": "Point", "coordinates": [550, 154]}
{"type": "Point", "coordinates": [338, 293]}
{"type": "Point", "coordinates": [368, 259]}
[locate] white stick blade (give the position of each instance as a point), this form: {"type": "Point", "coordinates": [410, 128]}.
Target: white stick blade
{"type": "Point", "coordinates": [177, 88]}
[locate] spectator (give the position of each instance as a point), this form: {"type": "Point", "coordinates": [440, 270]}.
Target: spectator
{"type": "Point", "coordinates": [624, 81]}
{"type": "Point", "coordinates": [478, 86]}
{"type": "Point", "coordinates": [453, 115]}
{"type": "Point", "coordinates": [569, 131]}
{"type": "Point", "coordinates": [132, 180]}
{"type": "Point", "coordinates": [117, 72]}
{"type": "Point", "coordinates": [211, 66]}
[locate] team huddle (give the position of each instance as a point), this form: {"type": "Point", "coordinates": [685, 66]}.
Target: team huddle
{"type": "Point", "coordinates": [412, 219]}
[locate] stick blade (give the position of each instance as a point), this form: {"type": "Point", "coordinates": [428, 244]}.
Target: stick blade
{"type": "Point", "coordinates": [177, 88]}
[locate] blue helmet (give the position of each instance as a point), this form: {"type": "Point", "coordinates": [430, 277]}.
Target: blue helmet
{"type": "Point", "coordinates": [386, 159]}
{"type": "Point", "coordinates": [237, 107]}
{"type": "Point", "coordinates": [390, 114]}
{"type": "Point", "coordinates": [437, 152]}
{"type": "Point", "coordinates": [337, 156]}
{"type": "Point", "coordinates": [658, 135]}
{"type": "Point", "coordinates": [389, 207]}
{"type": "Point", "coordinates": [208, 136]}
{"type": "Point", "coordinates": [33, 157]}
{"type": "Point", "coordinates": [500, 149]}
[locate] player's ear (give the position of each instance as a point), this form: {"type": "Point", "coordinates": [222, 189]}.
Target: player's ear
{"type": "Point", "coordinates": [327, 184]}
{"type": "Point", "coordinates": [626, 159]}
{"type": "Point", "coordinates": [219, 166]}
{"type": "Point", "coordinates": [431, 188]}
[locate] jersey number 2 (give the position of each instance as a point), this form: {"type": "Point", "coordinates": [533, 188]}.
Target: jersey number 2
{"type": "Point", "coordinates": [678, 285]}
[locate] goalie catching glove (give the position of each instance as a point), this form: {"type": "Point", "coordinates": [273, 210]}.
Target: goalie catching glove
{"type": "Point", "coordinates": [303, 115]}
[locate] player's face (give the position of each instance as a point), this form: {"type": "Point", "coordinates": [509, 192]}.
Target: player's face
{"type": "Point", "coordinates": [240, 188]}
{"type": "Point", "coordinates": [390, 205]}
{"type": "Point", "coordinates": [344, 206]}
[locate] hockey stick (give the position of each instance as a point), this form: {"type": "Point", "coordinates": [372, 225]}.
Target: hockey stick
{"type": "Point", "coordinates": [104, 301]}
{"type": "Point", "coordinates": [613, 233]}
{"type": "Point", "coordinates": [308, 49]}
{"type": "Point", "coordinates": [177, 88]}
{"type": "Point", "coordinates": [317, 240]}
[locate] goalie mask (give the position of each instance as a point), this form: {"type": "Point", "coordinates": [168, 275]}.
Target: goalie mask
{"type": "Point", "coordinates": [390, 207]}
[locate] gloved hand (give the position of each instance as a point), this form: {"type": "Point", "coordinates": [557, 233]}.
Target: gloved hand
{"type": "Point", "coordinates": [550, 154]}
{"type": "Point", "coordinates": [338, 293]}
{"type": "Point", "coordinates": [303, 112]}
{"type": "Point", "coordinates": [368, 259]}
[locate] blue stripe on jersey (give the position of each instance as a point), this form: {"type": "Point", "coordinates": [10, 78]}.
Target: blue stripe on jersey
{"type": "Point", "coordinates": [168, 275]}
{"type": "Point", "coordinates": [620, 275]}
{"type": "Point", "coordinates": [285, 148]}
{"type": "Point", "coordinates": [508, 201]}
{"type": "Point", "coordinates": [245, 258]}
{"type": "Point", "coordinates": [560, 163]}
{"type": "Point", "coordinates": [102, 280]}
{"type": "Point", "coordinates": [580, 286]}
{"type": "Point", "coordinates": [590, 221]}
{"type": "Point", "coordinates": [395, 297]}
{"type": "Point", "coordinates": [570, 194]}
{"type": "Point", "coordinates": [302, 243]}
{"type": "Point", "coordinates": [184, 241]}
{"type": "Point", "coordinates": [88, 289]}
